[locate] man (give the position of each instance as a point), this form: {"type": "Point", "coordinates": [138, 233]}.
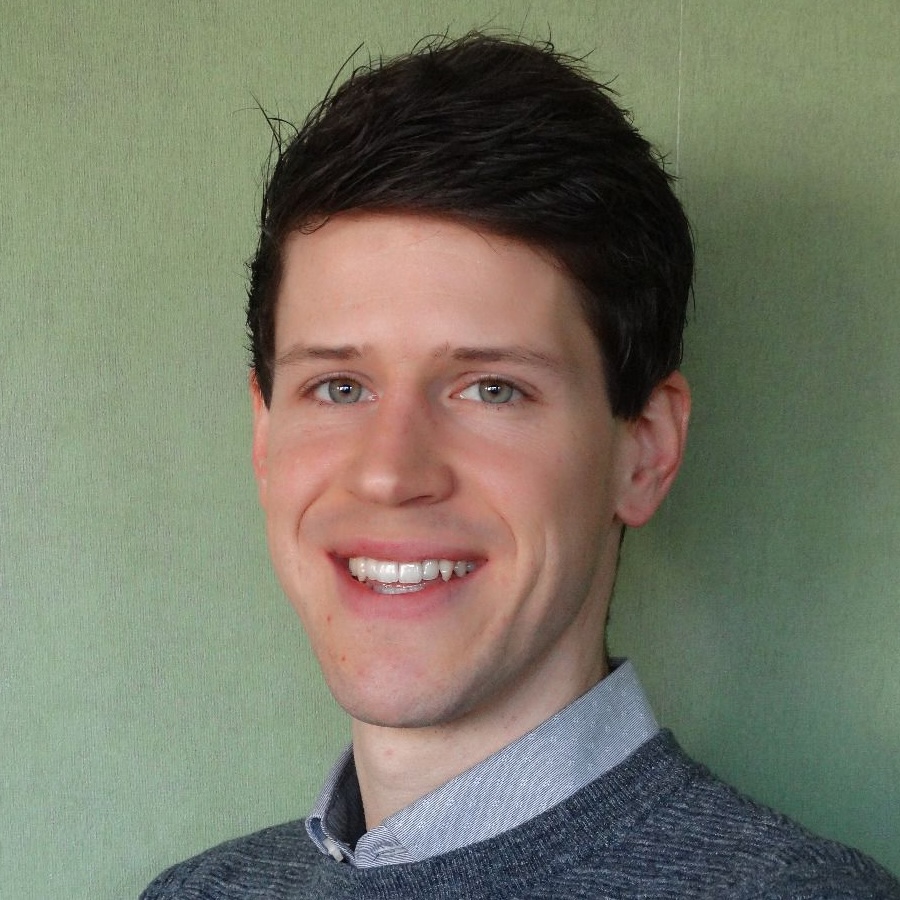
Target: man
{"type": "Point", "coordinates": [466, 312]}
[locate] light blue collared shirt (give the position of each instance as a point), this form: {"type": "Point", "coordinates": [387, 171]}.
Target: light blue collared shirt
{"type": "Point", "coordinates": [524, 779]}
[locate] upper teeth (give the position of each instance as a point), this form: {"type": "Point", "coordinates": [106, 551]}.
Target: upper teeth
{"type": "Point", "coordinates": [392, 572]}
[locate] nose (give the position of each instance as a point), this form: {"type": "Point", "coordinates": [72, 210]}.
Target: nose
{"type": "Point", "coordinates": [399, 459]}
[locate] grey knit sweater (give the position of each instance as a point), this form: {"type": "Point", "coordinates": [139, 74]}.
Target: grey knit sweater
{"type": "Point", "coordinates": [656, 826]}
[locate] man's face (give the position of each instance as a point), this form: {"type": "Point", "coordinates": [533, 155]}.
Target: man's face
{"type": "Point", "coordinates": [439, 403]}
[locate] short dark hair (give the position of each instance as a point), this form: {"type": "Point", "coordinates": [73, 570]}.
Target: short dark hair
{"type": "Point", "coordinates": [517, 139]}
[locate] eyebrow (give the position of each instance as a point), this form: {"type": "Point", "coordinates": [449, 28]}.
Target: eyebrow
{"type": "Point", "coordinates": [301, 353]}
{"type": "Point", "coordinates": [514, 354]}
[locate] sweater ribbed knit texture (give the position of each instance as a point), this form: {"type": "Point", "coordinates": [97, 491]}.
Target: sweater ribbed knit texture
{"type": "Point", "coordinates": [656, 826]}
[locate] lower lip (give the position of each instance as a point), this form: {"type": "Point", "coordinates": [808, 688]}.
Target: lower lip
{"type": "Point", "coordinates": [419, 601]}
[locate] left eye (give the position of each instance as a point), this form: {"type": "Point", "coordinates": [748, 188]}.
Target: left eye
{"type": "Point", "coordinates": [340, 390]}
{"type": "Point", "coordinates": [491, 390]}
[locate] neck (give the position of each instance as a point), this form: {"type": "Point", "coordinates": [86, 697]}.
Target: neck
{"type": "Point", "coordinates": [397, 766]}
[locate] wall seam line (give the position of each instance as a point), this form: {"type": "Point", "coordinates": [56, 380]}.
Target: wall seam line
{"type": "Point", "coordinates": [678, 97]}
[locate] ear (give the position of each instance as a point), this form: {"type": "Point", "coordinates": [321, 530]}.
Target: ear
{"type": "Point", "coordinates": [656, 441]}
{"type": "Point", "coordinates": [260, 437]}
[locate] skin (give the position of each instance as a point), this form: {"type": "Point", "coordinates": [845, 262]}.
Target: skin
{"type": "Point", "coordinates": [477, 428]}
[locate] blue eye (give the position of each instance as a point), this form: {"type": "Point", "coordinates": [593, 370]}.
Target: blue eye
{"type": "Point", "coordinates": [339, 390]}
{"type": "Point", "coordinates": [491, 390]}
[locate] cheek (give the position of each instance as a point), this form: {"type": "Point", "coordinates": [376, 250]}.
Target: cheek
{"type": "Point", "coordinates": [552, 483]}
{"type": "Point", "coordinates": [295, 481]}
{"type": "Point", "coordinates": [578, 513]}
{"type": "Point", "coordinates": [298, 471]}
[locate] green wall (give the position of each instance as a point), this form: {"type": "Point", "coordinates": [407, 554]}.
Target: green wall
{"type": "Point", "coordinates": [156, 694]}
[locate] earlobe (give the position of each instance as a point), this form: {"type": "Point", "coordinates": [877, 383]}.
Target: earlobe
{"type": "Point", "coordinates": [260, 437]}
{"type": "Point", "coordinates": [657, 440]}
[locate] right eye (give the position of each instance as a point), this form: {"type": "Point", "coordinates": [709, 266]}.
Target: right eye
{"type": "Point", "coordinates": [340, 390]}
{"type": "Point", "coordinates": [493, 391]}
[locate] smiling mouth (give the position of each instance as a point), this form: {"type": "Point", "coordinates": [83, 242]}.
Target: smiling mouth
{"type": "Point", "coordinates": [393, 577]}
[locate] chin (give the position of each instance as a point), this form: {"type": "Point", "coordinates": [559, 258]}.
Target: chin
{"type": "Point", "coordinates": [400, 708]}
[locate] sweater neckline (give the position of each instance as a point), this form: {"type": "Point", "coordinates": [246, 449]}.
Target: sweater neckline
{"type": "Point", "coordinates": [596, 817]}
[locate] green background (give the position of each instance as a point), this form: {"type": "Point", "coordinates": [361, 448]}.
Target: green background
{"type": "Point", "coordinates": [156, 693]}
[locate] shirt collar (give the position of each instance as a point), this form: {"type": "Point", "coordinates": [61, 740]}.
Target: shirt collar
{"type": "Point", "coordinates": [524, 779]}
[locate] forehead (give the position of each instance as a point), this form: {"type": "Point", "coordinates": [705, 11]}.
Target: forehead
{"type": "Point", "coordinates": [419, 282]}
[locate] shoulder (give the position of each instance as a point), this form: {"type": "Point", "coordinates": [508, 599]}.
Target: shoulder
{"type": "Point", "coordinates": [275, 860]}
{"type": "Point", "coordinates": [698, 836]}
